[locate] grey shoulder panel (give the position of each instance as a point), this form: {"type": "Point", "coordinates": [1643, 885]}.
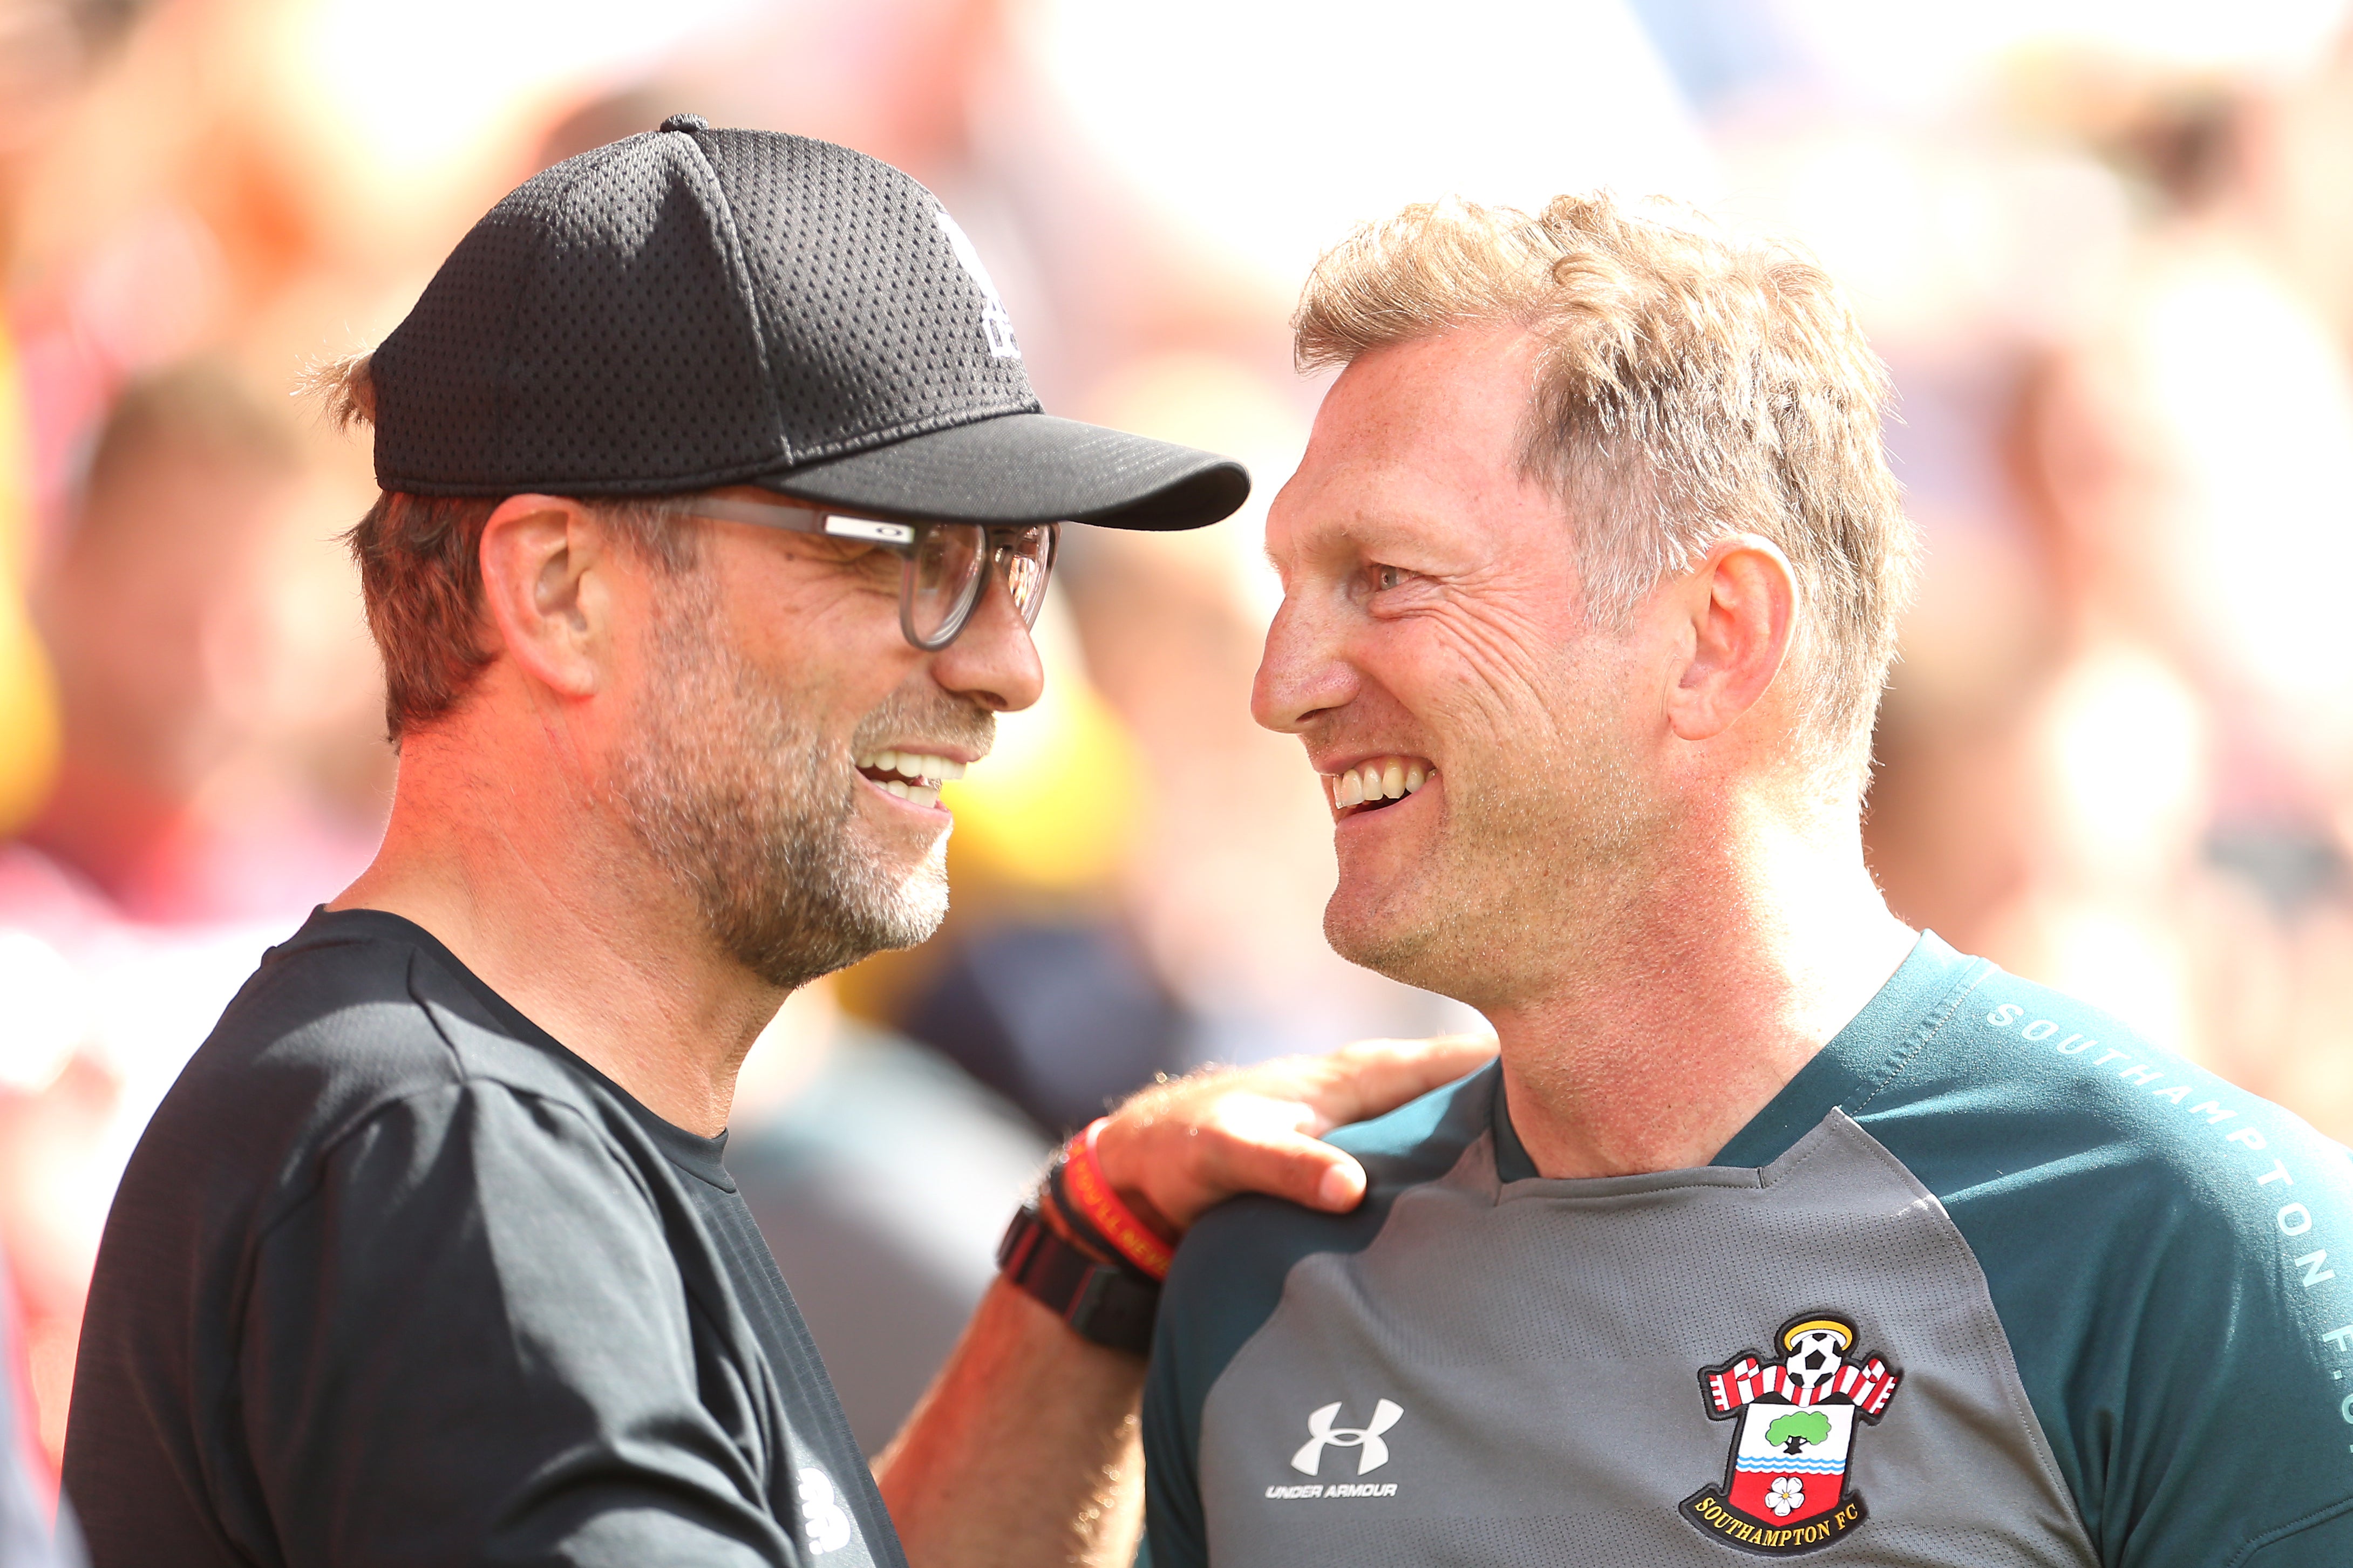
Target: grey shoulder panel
{"type": "Point", "coordinates": [1521, 1372]}
{"type": "Point", "coordinates": [1231, 1272]}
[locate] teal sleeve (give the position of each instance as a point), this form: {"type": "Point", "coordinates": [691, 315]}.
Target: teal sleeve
{"type": "Point", "coordinates": [1174, 1532]}
{"type": "Point", "coordinates": [2170, 1256]}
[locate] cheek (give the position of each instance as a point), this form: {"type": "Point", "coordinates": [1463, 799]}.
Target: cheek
{"type": "Point", "coordinates": [825, 638]}
{"type": "Point", "coordinates": [1488, 673]}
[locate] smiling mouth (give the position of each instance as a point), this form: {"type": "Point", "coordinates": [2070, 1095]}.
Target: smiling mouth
{"type": "Point", "coordinates": [912, 776]}
{"type": "Point", "coordinates": [1376, 784]}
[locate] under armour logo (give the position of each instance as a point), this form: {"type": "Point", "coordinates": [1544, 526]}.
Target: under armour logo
{"type": "Point", "coordinates": [1376, 1453]}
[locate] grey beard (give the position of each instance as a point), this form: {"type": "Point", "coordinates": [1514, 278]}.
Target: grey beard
{"type": "Point", "coordinates": [737, 795]}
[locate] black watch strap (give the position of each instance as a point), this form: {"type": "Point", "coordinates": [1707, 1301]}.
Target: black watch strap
{"type": "Point", "coordinates": [1102, 1301]}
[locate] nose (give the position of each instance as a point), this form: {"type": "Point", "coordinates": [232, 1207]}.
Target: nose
{"type": "Point", "coordinates": [993, 660]}
{"type": "Point", "coordinates": [1302, 673]}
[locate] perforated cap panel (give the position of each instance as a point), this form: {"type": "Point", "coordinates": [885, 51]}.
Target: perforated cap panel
{"type": "Point", "coordinates": [692, 308]}
{"type": "Point", "coordinates": [878, 327]}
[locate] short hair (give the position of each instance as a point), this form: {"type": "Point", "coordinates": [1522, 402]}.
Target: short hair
{"type": "Point", "coordinates": [1690, 384]}
{"type": "Point", "coordinates": [420, 561]}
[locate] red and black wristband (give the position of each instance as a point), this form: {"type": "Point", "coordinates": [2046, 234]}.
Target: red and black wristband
{"type": "Point", "coordinates": [1083, 1195]}
{"type": "Point", "coordinates": [1104, 1277]}
{"type": "Point", "coordinates": [1107, 1303]}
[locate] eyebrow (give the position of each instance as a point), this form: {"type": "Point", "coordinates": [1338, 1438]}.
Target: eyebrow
{"type": "Point", "coordinates": [1375, 531]}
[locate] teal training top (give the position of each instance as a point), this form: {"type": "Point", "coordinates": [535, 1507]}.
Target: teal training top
{"type": "Point", "coordinates": [1990, 1281]}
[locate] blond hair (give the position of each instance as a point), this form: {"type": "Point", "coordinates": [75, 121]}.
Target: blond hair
{"type": "Point", "coordinates": [1690, 385]}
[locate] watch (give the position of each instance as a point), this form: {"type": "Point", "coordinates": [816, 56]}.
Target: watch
{"type": "Point", "coordinates": [1104, 1302]}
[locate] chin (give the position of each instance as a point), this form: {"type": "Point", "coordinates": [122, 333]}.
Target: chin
{"type": "Point", "coordinates": [924, 901]}
{"type": "Point", "coordinates": [913, 899]}
{"type": "Point", "coordinates": [1379, 933]}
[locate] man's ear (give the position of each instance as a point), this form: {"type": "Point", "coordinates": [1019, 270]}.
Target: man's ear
{"type": "Point", "coordinates": [1741, 602]}
{"type": "Point", "coordinates": [542, 595]}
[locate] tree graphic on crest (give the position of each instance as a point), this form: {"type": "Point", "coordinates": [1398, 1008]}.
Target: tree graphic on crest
{"type": "Point", "coordinates": [1798, 1428]}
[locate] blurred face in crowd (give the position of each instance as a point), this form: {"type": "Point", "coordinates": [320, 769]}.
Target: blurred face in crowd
{"type": "Point", "coordinates": [786, 745]}
{"type": "Point", "coordinates": [169, 638]}
{"type": "Point", "coordinates": [1432, 633]}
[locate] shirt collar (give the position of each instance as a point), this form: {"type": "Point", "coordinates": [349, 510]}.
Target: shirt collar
{"type": "Point", "coordinates": [1858, 1062]}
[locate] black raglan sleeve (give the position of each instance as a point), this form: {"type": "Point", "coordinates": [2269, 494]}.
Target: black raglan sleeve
{"type": "Point", "coordinates": [469, 1344]}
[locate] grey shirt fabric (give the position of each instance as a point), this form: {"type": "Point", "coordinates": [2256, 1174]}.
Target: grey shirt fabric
{"type": "Point", "coordinates": [394, 1278]}
{"type": "Point", "coordinates": [1673, 1273]}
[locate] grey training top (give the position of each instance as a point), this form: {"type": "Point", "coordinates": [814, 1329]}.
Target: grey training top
{"type": "Point", "coordinates": [1990, 1282]}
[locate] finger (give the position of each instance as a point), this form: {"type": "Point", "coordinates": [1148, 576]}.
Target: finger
{"type": "Point", "coordinates": [1375, 1077]}
{"type": "Point", "coordinates": [1307, 1171]}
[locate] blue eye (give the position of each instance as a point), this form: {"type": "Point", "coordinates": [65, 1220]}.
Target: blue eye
{"type": "Point", "coordinates": [1387, 577]}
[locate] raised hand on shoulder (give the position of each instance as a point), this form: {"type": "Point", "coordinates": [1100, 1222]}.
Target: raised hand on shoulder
{"type": "Point", "coordinates": [1186, 1145]}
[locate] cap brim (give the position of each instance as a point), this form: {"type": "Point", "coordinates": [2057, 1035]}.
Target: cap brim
{"type": "Point", "coordinates": [1027, 468]}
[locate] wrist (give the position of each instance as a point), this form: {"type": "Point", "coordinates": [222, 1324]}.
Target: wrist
{"type": "Point", "coordinates": [1101, 1213]}
{"type": "Point", "coordinates": [1107, 1303]}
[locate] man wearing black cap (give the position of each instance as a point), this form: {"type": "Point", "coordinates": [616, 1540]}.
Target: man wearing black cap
{"type": "Point", "coordinates": [716, 509]}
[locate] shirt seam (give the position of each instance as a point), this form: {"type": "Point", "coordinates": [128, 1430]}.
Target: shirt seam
{"type": "Point", "coordinates": [2029, 1421]}
{"type": "Point", "coordinates": [1924, 1033]}
{"type": "Point", "coordinates": [432, 950]}
{"type": "Point", "coordinates": [313, 1181]}
{"type": "Point", "coordinates": [462, 1079]}
{"type": "Point", "coordinates": [2271, 1538]}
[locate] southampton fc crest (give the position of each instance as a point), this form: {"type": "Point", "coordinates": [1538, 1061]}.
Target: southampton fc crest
{"type": "Point", "coordinates": [1785, 1487]}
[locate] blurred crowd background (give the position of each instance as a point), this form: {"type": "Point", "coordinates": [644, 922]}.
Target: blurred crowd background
{"type": "Point", "coordinates": [2106, 245]}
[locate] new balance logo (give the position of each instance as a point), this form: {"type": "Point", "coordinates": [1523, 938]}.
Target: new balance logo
{"type": "Point", "coordinates": [1373, 1453]}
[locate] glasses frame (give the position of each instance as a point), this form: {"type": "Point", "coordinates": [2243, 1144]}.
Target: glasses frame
{"type": "Point", "coordinates": [904, 540]}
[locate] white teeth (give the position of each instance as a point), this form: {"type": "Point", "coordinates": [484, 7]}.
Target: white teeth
{"type": "Point", "coordinates": [897, 787]}
{"type": "Point", "coordinates": [924, 795]}
{"type": "Point", "coordinates": [1383, 778]}
{"type": "Point", "coordinates": [930, 771]}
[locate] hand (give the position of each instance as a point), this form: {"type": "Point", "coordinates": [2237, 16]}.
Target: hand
{"type": "Point", "coordinates": [1186, 1145]}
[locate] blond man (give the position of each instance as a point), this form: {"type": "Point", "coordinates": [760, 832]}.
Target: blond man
{"type": "Point", "coordinates": [1778, 1228]}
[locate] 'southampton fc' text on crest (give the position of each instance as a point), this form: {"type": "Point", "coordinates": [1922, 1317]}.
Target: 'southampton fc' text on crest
{"type": "Point", "coordinates": [1785, 1486]}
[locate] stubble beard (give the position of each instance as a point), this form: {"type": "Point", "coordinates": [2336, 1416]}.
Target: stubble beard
{"type": "Point", "coordinates": [735, 791]}
{"type": "Point", "coordinates": [1516, 880]}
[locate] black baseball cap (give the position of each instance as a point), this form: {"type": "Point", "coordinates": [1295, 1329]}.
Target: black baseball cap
{"type": "Point", "coordinates": [692, 308]}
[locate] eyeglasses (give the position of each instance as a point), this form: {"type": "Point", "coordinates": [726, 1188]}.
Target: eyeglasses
{"type": "Point", "coordinates": [945, 565]}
